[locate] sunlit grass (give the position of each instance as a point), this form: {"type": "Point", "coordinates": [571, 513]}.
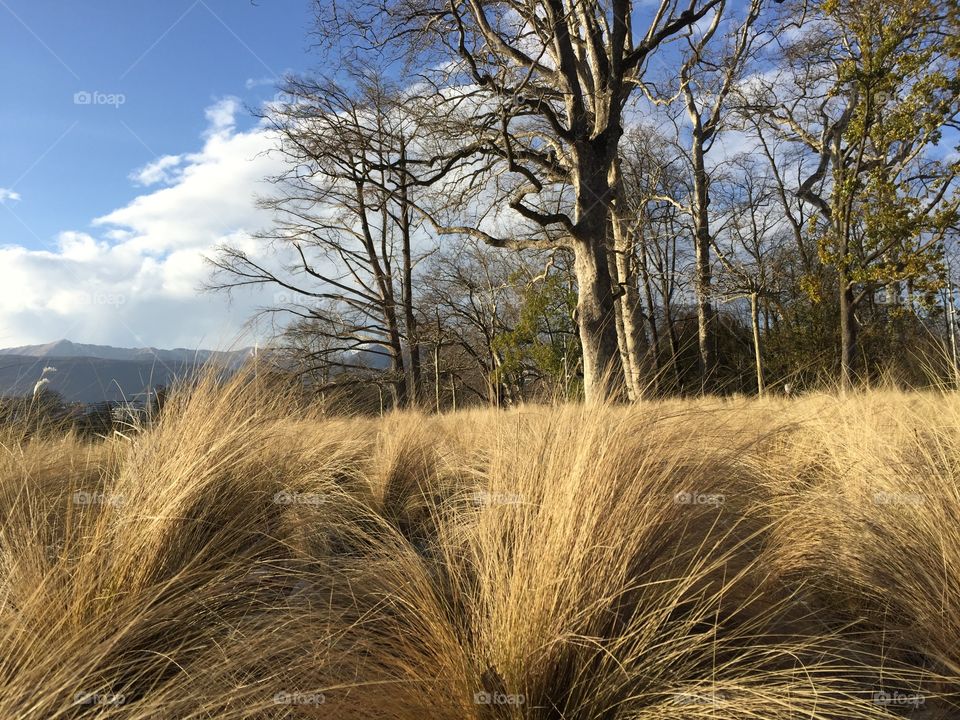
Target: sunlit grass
{"type": "Point", "coordinates": [683, 559]}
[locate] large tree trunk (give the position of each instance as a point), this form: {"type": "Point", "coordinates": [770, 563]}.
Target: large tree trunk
{"type": "Point", "coordinates": [602, 368]}
{"type": "Point", "coordinates": [603, 375]}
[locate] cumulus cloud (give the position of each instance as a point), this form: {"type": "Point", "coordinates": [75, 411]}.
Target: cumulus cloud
{"type": "Point", "coordinates": [135, 277]}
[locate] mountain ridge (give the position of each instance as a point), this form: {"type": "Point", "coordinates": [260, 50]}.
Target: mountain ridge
{"type": "Point", "coordinates": [68, 349]}
{"type": "Point", "coordinates": [87, 373]}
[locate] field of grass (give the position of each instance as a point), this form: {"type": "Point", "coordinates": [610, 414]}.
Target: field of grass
{"type": "Point", "coordinates": [680, 559]}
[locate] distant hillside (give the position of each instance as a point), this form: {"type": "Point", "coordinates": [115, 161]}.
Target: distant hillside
{"type": "Point", "coordinates": [94, 373]}
{"type": "Point", "coordinates": [68, 349]}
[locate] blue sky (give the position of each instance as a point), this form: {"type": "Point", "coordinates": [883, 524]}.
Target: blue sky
{"type": "Point", "coordinates": [127, 154]}
{"type": "Point", "coordinates": [168, 59]}
{"type": "Point", "coordinates": [93, 93]}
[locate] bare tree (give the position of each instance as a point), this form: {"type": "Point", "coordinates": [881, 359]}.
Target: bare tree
{"type": "Point", "coordinates": [715, 60]}
{"type": "Point", "coordinates": [487, 309]}
{"type": "Point", "coordinates": [749, 245]}
{"type": "Point", "coordinates": [344, 215]}
{"type": "Point", "coordinates": [470, 293]}
{"type": "Point", "coordinates": [548, 82]}
{"type": "Point", "coordinates": [648, 211]}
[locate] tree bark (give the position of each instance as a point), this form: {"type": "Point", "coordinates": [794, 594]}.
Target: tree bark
{"type": "Point", "coordinates": [654, 345]}
{"type": "Point", "coordinates": [848, 335]}
{"type": "Point", "coordinates": [758, 357]}
{"type": "Point", "coordinates": [603, 372]}
{"type": "Point", "coordinates": [629, 312]}
{"type": "Point", "coordinates": [398, 387]}
{"type": "Point", "coordinates": [602, 368]}
{"type": "Point", "coordinates": [436, 374]}
{"type": "Point", "coordinates": [703, 279]}
{"type": "Point", "coordinates": [633, 331]}
{"type": "Point", "coordinates": [622, 339]}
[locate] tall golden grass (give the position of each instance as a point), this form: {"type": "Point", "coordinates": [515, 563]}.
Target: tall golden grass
{"type": "Point", "coordinates": [682, 559]}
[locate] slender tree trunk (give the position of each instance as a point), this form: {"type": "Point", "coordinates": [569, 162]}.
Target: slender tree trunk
{"type": "Point", "coordinates": [654, 347]}
{"type": "Point", "coordinates": [672, 338]}
{"type": "Point", "coordinates": [758, 358]}
{"type": "Point", "coordinates": [398, 387]}
{"type": "Point", "coordinates": [703, 279]}
{"type": "Point", "coordinates": [636, 339]}
{"type": "Point", "coordinates": [413, 370]}
{"type": "Point", "coordinates": [436, 372]}
{"type": "Point", "coordinates": [630, 315]}
{"type": "Point", "coordinates": [848, 335]}
{"type": "Point", "coordinates": [384, 280]}
{"type": "Point", "coordinates": [951, 313]}
{"type": "Point", "coordinates": [498, 383]}
{"type": "Point", "coordinates": [618, 309]}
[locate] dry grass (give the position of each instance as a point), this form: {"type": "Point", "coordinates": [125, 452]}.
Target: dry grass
{"type": "Point", "coordinates": [717, 559]}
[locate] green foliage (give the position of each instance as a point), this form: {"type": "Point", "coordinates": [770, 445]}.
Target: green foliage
{"type": "Point", "coordinates": [891, 203]}
{"type": "Point", "coordinates": [543, 344]}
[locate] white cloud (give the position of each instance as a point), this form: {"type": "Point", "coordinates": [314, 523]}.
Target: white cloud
{"type": "Point", "coordinates": [135, 278]}
{"type": "Point", "coordinates": [260, 82]}
{"type": "Point", "coordinates": [8, 195]}
{"type": "Point", "coordinates": [164, 170]}
{"type": "Point", "coordinates": [80, 247]}
{"type": "Point", "coordinates": [222, 115]}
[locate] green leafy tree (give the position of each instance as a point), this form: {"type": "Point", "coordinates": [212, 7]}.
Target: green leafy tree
{"type": "Point", "coordinates": [542, 347]}
{"type": "Point", "coordinates": [869, 89]}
